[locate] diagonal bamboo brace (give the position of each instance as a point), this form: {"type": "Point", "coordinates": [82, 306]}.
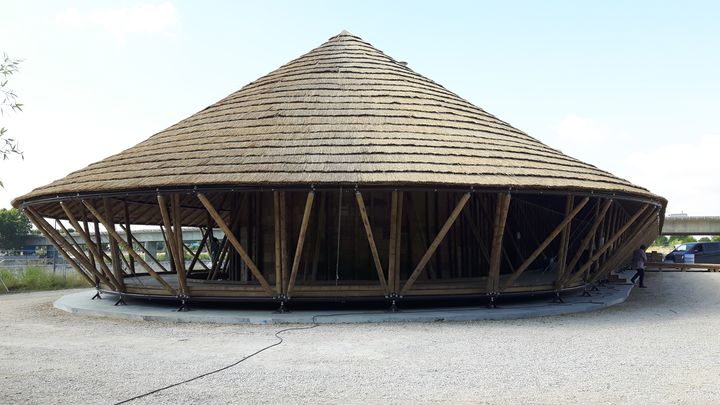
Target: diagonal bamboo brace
{"type": "Point", "coordinates": [236, 244]}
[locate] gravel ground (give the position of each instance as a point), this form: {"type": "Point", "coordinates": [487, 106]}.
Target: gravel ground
{"type": "Point", "coordinates": [658, 347]}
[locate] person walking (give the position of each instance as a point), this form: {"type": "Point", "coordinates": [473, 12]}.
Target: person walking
{"type": "Point", "coordinates": [639, 260]}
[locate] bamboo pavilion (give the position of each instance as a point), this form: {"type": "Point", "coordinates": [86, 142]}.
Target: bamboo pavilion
{"type": "Point", "coordinates": [345, 174]}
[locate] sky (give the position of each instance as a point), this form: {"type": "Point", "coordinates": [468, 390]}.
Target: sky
{"type": "Point", "coordinates": [631, 87]}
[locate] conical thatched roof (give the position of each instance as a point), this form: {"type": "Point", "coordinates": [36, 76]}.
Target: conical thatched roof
{"type": "Point", "coordinates": [344, 113]}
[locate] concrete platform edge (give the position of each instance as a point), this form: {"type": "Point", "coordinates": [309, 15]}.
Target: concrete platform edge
{"type": "Point", "coordinates": [81, 304]}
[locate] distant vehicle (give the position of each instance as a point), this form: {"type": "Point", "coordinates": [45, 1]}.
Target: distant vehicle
{"type": "Point", "coordinates": [705, 252]}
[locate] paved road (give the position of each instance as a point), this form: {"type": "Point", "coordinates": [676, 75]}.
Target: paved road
{"type": "Point", "coordinates": [659, 347]}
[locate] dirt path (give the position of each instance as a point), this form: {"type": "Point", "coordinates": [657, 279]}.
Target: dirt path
{"type": "Point", "coordinates": [658, 347]}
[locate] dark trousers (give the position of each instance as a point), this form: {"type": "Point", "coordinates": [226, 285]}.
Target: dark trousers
{"type": "Point", "coordinates": [640, 273]}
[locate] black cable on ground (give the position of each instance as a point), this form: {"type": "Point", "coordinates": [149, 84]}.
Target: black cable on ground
{"type": "Point", "coordinates": [279, 342]}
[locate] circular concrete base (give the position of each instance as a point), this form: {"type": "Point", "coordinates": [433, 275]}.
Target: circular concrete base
{"type": "Point", "coordinates": [82, 304]}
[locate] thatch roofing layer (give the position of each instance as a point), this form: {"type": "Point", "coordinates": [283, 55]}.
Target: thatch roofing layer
{"type": "Point", "coordinates": [344, 113]}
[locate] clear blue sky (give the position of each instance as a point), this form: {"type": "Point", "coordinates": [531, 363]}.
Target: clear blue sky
{"type": "Point", "coordinates": [632, 87]}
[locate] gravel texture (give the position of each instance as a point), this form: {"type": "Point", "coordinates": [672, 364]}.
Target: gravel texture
{"type": "Point", "coordinates": [661, 346]}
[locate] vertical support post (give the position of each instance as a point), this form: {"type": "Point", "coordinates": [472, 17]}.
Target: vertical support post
{"type": "Point", "coordinates": [179, 250]}
{"type": "Point", "coordinates": [171, 245]}
{"type": "Point", "coordinates": [501, 212]}
{"type": "Point", "coordinates": [392, 261]}
{"type": "Point", "coordinates": [564, 240]}
{"type": "Point", "coordinates": [398, 239]}
{"type": "Point", "coordinates": [283, 243]}
{"type": "Point", "coordinates": [278, 255]}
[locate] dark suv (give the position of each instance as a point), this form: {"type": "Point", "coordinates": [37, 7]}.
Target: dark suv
{"type": "Point", "coordinates": [705, 252]}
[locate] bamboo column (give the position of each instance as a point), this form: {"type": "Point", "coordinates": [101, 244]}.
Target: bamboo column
{"type": "Point", "coordinates": [285, 270]}
{"type": "Point", "coordinates": [171, 244]}
{"type": "Point", "coordinates": [392, 262]}
{"type": "Point", "coordinates": [565, 239]}
{"type": "Point", "coordinates": [501, 212]}
{"type": "Point", "coordinates": [398, 239]}
{"type": "Point", "coordinates": [178, 233]}
{"type": "Point", "coordinates": [278, 255]}
{"type": "Point", "coordinates": [114, 249]}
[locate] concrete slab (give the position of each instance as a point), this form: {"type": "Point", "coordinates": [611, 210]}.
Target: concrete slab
{"type": "Point", "coordinates": [140, 310]}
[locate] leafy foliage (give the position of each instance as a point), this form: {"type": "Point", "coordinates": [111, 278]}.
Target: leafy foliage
{"type": "Point", "coordinates": [8, 102]}
{"type": "Point", "coordinates": [14, 226]}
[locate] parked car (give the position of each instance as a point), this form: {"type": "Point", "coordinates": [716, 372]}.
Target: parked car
{"type": "Point", "coordinates": [705, 252]}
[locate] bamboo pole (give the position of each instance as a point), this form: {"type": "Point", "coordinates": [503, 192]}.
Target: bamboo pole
{"type": "Point", "coordinates": [109, 277]}
{"type": "Point", "coordinates": [607, 243]}
{"type": "Point", "coordinates": [551, 237]}
{"type": "Point", "coordinates": [177, 232]}
{"type": "Point", "coordinates": [119, 239]}
{"type": "Point", "coordinates": [285, 271]}
{"type": "Point", "coordinates": [599, 217]}
{"type": "Point", "coordinates": [398, 239]}
{"type": "Point", "coordinates": [278, 248]}
{"type": "Point", "coordinates": [501, 212]}
{"type": "Point", "coordinates": [393, 242]}
{"type": "Point", "coordinates": [436, 242]}
{"type": "Point", "coordinates": [565, 239]}
{"type": "Point", "coordinates": [371, 241]}
{"type": "Point", "coordinates": [300, 242]}
{"type": "Point", "coordinates": [37, 221]}
{"type": "Point", "coordinates": [114, 253]}
{"type": "Point", "coordinates": [168, 235]}
{"type": "Point", "coordinates": [236, 244]}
